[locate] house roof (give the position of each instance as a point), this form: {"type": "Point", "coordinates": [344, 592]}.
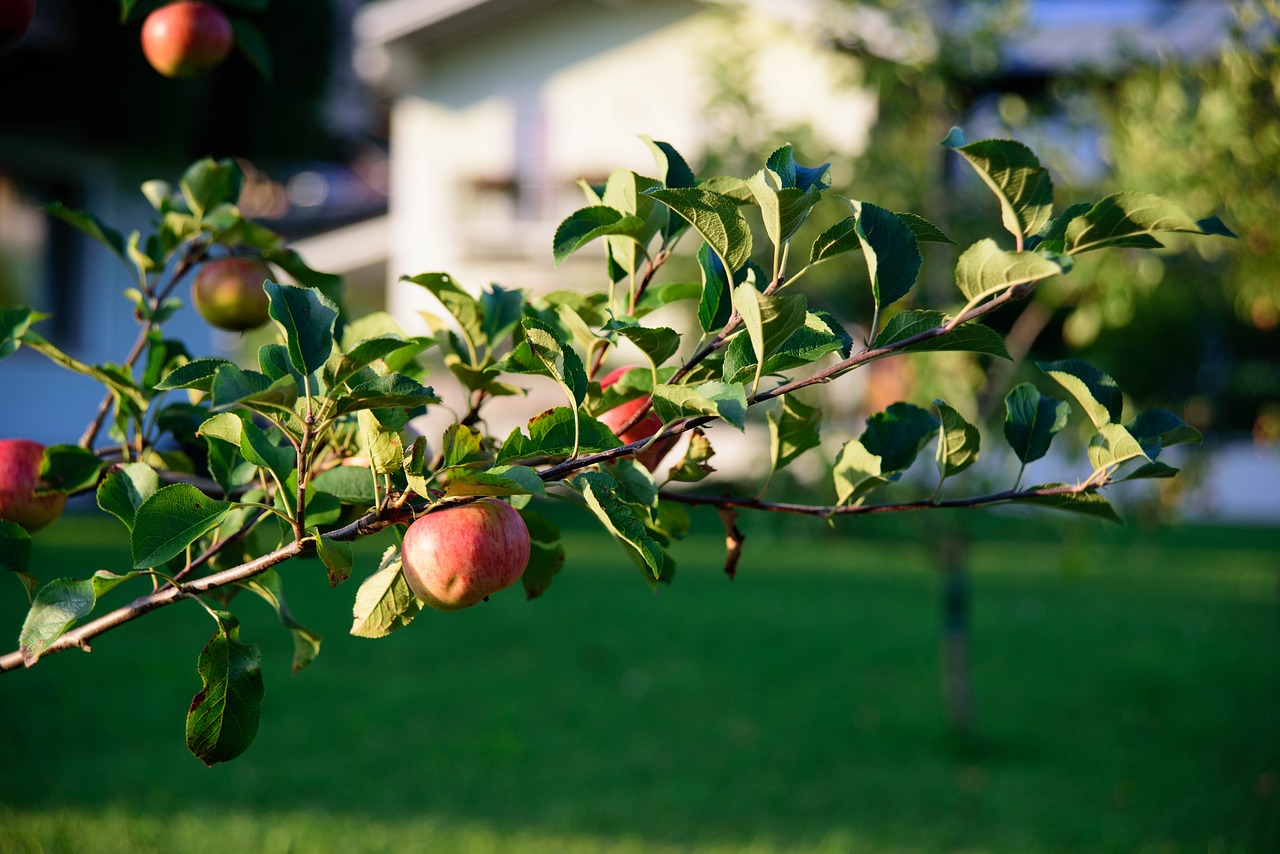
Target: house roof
{"type": "Point", "coordinates": [386, 22]}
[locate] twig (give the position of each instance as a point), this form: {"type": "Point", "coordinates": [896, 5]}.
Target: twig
{"type": "Point", "coordinates": [827, 511]}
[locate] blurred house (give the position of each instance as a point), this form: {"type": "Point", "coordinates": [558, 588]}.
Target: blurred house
{"type": "Point", "coordinates": [498, 107]}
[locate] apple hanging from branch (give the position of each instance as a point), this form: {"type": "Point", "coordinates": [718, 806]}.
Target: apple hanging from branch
{"type": "Point", "coordinates": [456, 557]}
{"type": "Point", "coordinates": [186, 38]}
{"type": "Point", "coordinates": [19, 479]}
{"type": "Point", "coordinates": [228, 293]}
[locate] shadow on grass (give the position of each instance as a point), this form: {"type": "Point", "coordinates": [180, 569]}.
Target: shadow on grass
{"type": "Point", "coordinates": [797, 708]}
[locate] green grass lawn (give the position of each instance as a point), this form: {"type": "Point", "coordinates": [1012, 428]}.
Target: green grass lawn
{"type": "Point", "coordinates": [1128, 689]}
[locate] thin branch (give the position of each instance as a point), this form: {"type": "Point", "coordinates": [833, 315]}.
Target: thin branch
{"type": "Point", "coordinates": [827, 511]}
{"type": "Point", "coordinates": [80, 636]}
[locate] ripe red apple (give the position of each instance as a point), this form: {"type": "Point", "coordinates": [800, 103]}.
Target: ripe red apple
{"type": "Point", "coordinates": [643, 429]}
{"type": "Point", "coordinates": [228, 293]}
{"type": "Point", "coordinates": [454, 558]}
{"type": "Point", "coordinates": [19, 477]}
{"type": "Point", "coordinates": [15, 18]}
{"type": "Point", "coordinates": [186, 38]}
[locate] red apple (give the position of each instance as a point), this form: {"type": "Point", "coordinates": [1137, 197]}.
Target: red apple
{"type": "Point", "coordinates": [19, 477]}
{"type": "Point", "coordinates": [454, 558]}
{"type": "Point", "coordinates": [228, 293]}
{"type": "Point", "coordinates": [643, 429]}
{"type": "Point", "coordinates": [186, 38]}
{"type": "Point", "coordinates": [15, 17]}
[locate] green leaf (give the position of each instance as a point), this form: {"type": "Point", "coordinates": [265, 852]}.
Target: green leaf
{"type": "Point", "coordinates": [237, 428]}
{"type": "Point", "coordinates": [58, 606]}
{"type": "Point", "coordinates": [461, 305]}
{"type": "Point", "coordinates": [14, 323]}
{"type": "Point", "coordinates": [784, 209]}
{"type": "Point", "coordinates": [792, 431]}
{"type": "Point", "coordinates": [208, 183]}
{"type": "Point", "coordinates": [1088, 503]}
{"type": "Point", "coordinates": [587, 224]}
{"type": "Point", "coordinates": [342, 366]}
{"type": "Point", "coordinates": [232, 386]}
{"type": "Point", "coordinates": [1097, 392]}
{"type": "Point", "coordinates": [70, 468]}
{"type": "Point", "coordinates": [227, 467]}
{"type": "Point", "coordinates": [497, 481]}
{"type": "Point", "coordinates": [306, 643]}
{"type": "Point", "coordinates": [1053, 237]}
{"type": "Point", "coordinates": [969, 337]}
{"type": "Point", "coordinates": [253, 45]}
{"type": "Point", "coordinates": [306, 317]}
{"type": "Point", "coordinates": [90, 225]}
{"type": "Point", "coordinates": [1129, 219]}
{"type": "Point", "coordinates": [716, 303]}
{"type": "Point", "coordinates": [1032, 420]}
{"type": "Point", "coordinates": [925, 231]}
{"type": "Point", "coordinates": [546, 554]}
{"type": "Point", "coordinates": [349, 484]}
{"type": "Point", "coordinates": [224, 714]}
{"type": "Point", "coordinates": [1113, 445]}
{"type": "Point", "coordinates": [836, 240]}
{"type": "Point", "coordinates": [792, 175]}
{"type": "Point", "coordinates": [769, 320]}
{"type": "Point", "coordinates": [171, 519]}
{"type": "Point", "coordinates": [336, 556]}
{"type": "Point", "coordinates": [819, 336]}
{"type": "Point", "coordinates": [716, 218]}
{"type": "Point", "coordinates": [673, 168]}
{"type": "Point", "coordinates": [381, 443]}
{"type": "Point", "coordinates": [600, 491]}
{"type": "Point", "coordinates": [659, 295]}
{"type": "Point", "coordinates": [197, 374]}
{"type": "Point", "coordinates": [1014, 174]}
{"type": "Point", "coordinates": [542, 353]}
{"type": "Point", "coordinates": [1148, 471]}
{"type": "Point", "coordinates": [658, 343]}
{"type": "Point", "coordinates": [500, 309]}
{"type": "Point", "coordinates": [893, 257]}
{"type": "Point", "coordinates": [731, 187]}
{"type": "Point", "coordinates": [856, 471]}
{"type": "Point", "coordinates": [635, 484]}
{"type": "Point", "coordinates": [727, 401]}
{"type": "Point", "coordinates": [958, 441]}
{"type": "Point", "coordinates": [984, 269]}
{"type": "Point", "coordinates": [896, 436]}
{"type": "Point", "coordinates": [694, 466]}
{"type": "Point", "coordinates": [125, 488]}
{"type": "Point", "coordinates": [1157, 429]}
{"type": "Point", "coordinates": [384, 602]}
{"type": "Point", "coordinates": [385, 392]}
{"type": "Point", "coordinates": [15, 547]}
{"type": "Point", "coordinates": [329, 284]}
{"type": "Point", "coordinates": [460, 445]}
{"type": "Point", "coordinates": [551, 434]}
{"type": "Point", "coordinates": [625, 192]}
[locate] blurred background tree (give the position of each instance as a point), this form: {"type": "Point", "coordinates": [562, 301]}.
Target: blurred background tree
{"type": "Point", "coordinates": [1203, 129]}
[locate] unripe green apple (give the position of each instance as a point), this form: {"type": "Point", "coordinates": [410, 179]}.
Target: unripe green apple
{"type": "Point", "coordinates": [647, 426]}
{"type": "Point", "coordinates": [228, 293]}
{"type": "Point", "coordinates": [19, 477]}
{"type": "Point", "coordinates": [15, 18]}
{"type": "Point", "coordinates": [454, 558]}
{"type": "Point", "coordinates": [186, 38]}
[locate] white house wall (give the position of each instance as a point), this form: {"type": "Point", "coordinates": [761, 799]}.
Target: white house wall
{"type": "Point", "coordinates": [564, 94]}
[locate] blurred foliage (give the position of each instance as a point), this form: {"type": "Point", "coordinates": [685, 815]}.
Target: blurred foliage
{"type": "Point", "coordinates": [1206, 132]}
{"type": "Point", "coordinates": [1198, 322]}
